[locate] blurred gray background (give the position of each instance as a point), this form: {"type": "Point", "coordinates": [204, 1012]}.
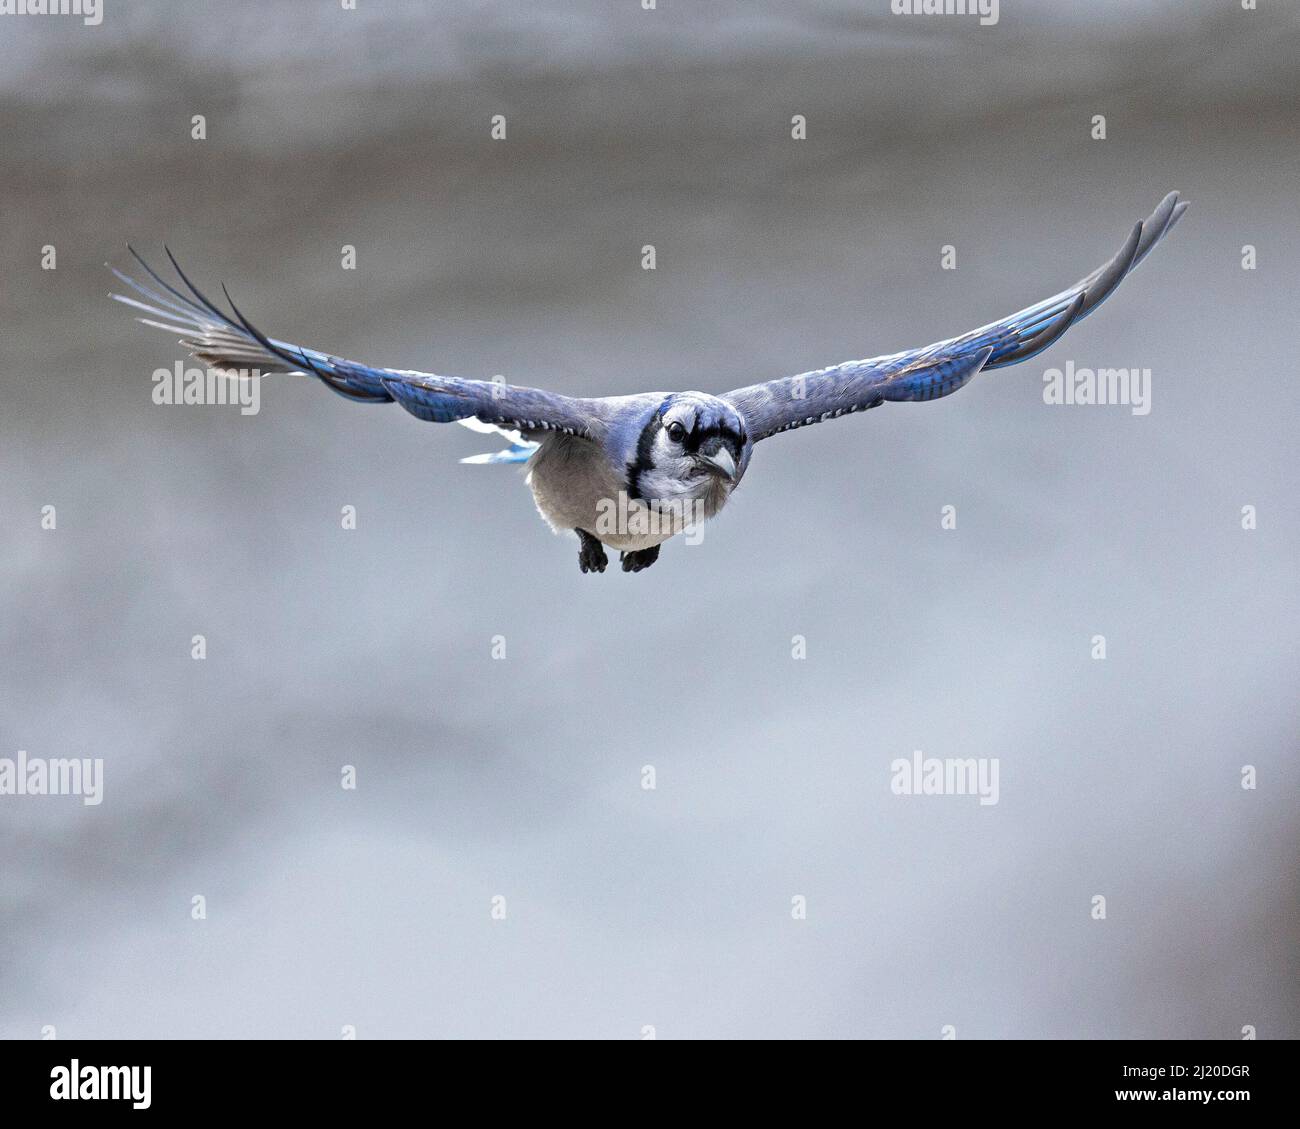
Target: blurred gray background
{"type": "Point", "coordinates": [521, 778]}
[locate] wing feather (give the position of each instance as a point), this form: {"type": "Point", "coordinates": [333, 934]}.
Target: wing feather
{"type": "Point", "coordinates": [229, 341]}
{"type": "Point", "coordinates": [940, 369]}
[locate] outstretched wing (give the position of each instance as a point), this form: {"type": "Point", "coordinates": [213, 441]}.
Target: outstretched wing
{"type": "Point", "coordinates": [230, 342]}
{"type": "Point", "coordinates": [937, 370]}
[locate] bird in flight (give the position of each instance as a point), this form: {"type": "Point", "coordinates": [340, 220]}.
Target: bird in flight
{"type": "Point", "coordinates": [629, 472]}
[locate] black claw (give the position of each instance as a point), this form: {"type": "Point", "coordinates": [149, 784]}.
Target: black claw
{"type": "Point", "coordinates": [642, 558]}
{"type": "Point", "coordinates": [591, 553]}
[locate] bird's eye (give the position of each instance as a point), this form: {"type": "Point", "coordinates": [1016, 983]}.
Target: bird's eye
{"type": "Point", "coordinates": [676, 432]}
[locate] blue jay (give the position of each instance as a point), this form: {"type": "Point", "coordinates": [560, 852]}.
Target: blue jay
{"type": "Point", "coordinates": [629, 472]}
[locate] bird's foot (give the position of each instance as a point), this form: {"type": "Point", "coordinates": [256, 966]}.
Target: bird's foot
{"type": "Point", "coordinates": [591, 553]}
{"type": "Point", "coordinates": [642, 558]}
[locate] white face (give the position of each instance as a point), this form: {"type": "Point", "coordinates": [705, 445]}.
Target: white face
{"type": "Point", "coordinates": [695, 453]}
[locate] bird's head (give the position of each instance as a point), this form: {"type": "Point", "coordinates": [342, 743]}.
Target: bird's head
{"type": "Point", "coordinates": [693, 447]}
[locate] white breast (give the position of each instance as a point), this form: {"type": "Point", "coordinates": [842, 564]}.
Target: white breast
{"type": "Point", "coordinates": [575, 487]}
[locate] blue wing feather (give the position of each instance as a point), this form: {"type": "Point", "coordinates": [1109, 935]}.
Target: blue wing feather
{"type": "Point", "coordinates": [940, 369]}
{"type": "Point", "coordinates": [227, 342]}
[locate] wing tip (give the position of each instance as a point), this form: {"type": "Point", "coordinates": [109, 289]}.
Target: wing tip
{"type": "Point", "coordinates": [1156, 225]}
{"type": "Point", "coordinates": [1179, 209]}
